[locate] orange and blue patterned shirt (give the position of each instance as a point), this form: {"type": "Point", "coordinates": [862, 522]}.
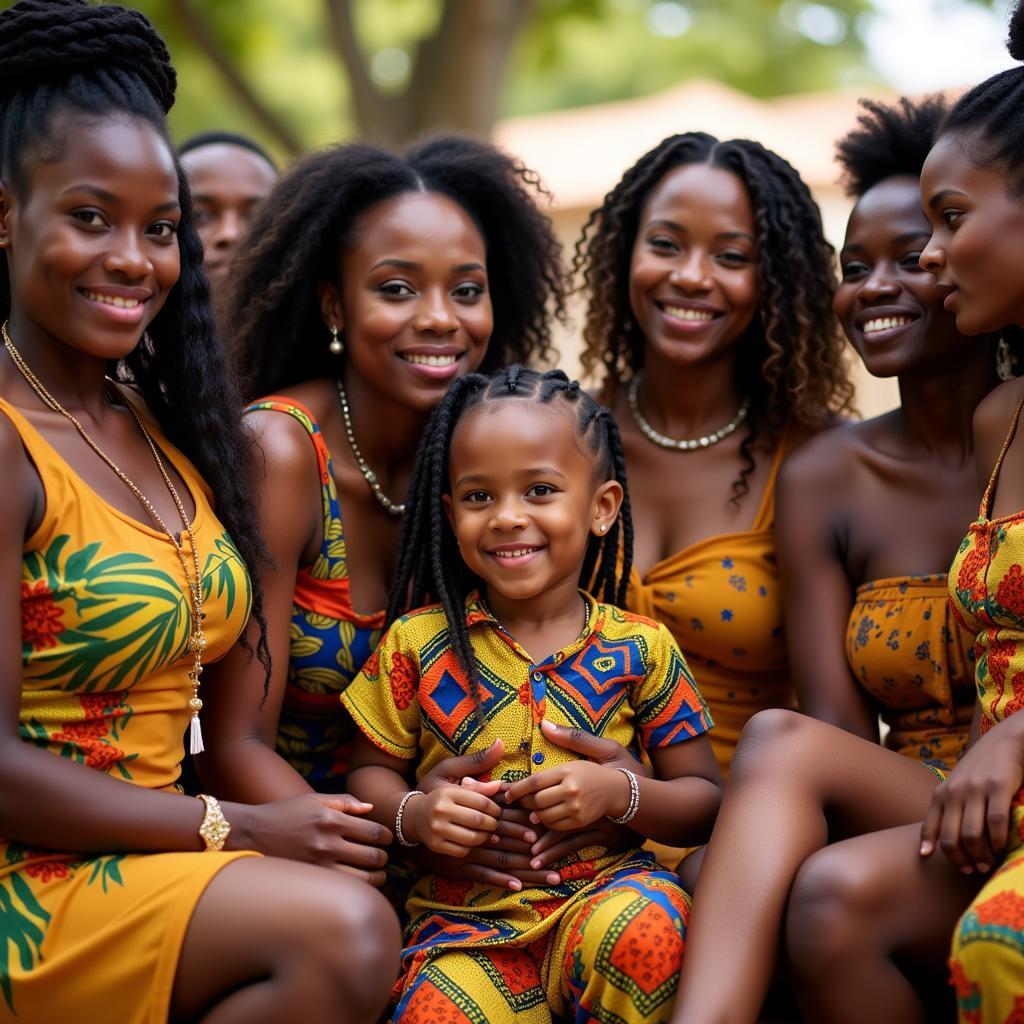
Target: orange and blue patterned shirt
{"type": "Point", "coordinates": [623, 678]}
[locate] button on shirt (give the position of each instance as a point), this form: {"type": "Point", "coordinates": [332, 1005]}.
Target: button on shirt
{"type": "Point", "coordinates": [623, 678]}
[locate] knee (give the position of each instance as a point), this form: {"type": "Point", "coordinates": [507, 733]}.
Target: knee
{"type": "Point", "coordinates": [834, 899]}
{"type": "Point", "coordinates": [356, 935]}
{"type": "Point", "coordinates": [771, 740]}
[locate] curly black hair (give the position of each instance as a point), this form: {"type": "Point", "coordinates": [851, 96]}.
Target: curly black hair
{"type": "Point", "coordinates": [429, 563]}
{"type": "Point", "coordinates": [888, 141]}
{"type": "Point", "coordinates": [65, 60]}
{"type": "Point", "coordinates": [792, 363]}
{"type": "Point", "coordinates": [277, 333]}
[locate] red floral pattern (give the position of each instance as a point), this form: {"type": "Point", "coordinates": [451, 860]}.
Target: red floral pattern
{"type": "Point", "coordinates": [1010, 592]}
{"type": "Point", "coordinates": [403, 678]}
{"type": "Point", "coordinates": [40, 616]}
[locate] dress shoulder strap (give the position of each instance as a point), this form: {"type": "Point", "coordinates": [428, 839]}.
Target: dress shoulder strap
{"type": "Point", "coordinates": [986, 498]}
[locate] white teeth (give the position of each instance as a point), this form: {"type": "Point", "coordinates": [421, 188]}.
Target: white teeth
{"type": "Point", "coordinates": [513, 554]}
{"type": "Point", "coordinates": [412, 357]}
{"type": "Point", "coordinates": [688, 314]}
{"type": "Point", "coordinates": [886, 323]}
{"type": "Point", "coordinates": [112, 300]}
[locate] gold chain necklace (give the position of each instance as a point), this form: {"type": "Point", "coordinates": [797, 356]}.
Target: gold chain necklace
{"type": "Point", "coordinates": [368, 474]}
{"type": "Point", "coordinates": [196, 640]}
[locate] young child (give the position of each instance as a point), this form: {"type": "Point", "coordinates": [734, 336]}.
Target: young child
{"type": "Point", "coordinates": [518, 496]}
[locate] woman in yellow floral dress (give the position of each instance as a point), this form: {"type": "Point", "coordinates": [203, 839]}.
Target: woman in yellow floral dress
{"type": "Point", "coordinates": [122, 899]}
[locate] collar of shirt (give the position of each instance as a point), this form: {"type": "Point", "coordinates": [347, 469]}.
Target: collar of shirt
{"type": "Point", "coordinates": [478, 614]}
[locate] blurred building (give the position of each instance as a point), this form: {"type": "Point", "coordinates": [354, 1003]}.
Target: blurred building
{"type": "Point", "coordinates": [582, 153]}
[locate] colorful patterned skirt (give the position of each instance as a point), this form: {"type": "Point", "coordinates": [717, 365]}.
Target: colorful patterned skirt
{"type": "Point", "coordinates": [600, 947]}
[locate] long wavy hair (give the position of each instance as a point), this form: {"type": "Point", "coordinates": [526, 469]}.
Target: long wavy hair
{"type": "Point", "coordinates": [791, 363]}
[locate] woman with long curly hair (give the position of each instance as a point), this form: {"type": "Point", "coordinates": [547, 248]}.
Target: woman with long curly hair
{"type": "Point", "coordinates": [367, 283]}
{"type": "Point", "coordinates": [130, 560]}
{"type": "Point", "coordinates": [710, 290]}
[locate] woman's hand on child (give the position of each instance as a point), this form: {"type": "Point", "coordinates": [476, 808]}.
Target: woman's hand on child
{"type": "Point", "coordinates": [969, 816]}
{"type": "Point", "coordinates": [572, 796]}
{"type": "Point", "coordinates": [593, 748]}
{"type": "Point", "coordinates": [453, 819]}
{"type": "Point", "coordinates": [452, 770]}
{"type": "Point", "coordinates": [321, 828]}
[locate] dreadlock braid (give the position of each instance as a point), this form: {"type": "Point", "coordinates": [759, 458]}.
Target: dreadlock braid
{"type": "Point", "coordinates": [792, 363]}
{"type": "Point", "coordinates": [63, 62]}
{"type": "Point", "coordinates": [429, 563]}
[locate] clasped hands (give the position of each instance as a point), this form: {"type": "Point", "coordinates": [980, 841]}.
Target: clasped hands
{"type": "Point", "coordinates": [508, 835]}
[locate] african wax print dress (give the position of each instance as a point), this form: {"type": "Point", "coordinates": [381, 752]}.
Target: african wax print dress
{"type": "Point", "coordinates": [330, 640]}
{"type": "Point", "coordinates": [105, 621]}
{"type": "Point", "coordinates": [606, 944]}
{"type": "Point", "coordinates": [721, 599]}
{"type": "Point", "coordinates": [986, 592]}
{"type": "Point", "coordinates": [910, 654]}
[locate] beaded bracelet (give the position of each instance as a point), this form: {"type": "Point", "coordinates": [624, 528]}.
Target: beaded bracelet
{"type": "Point", "coordinates": [399, 834]}
{"type": "Point", "coordinates": [634, 799]}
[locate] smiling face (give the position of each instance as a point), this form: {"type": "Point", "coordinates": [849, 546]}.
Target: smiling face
{"type": "Point", "coordinates": [91, 240]}
{"type": "Point", "coordinates": [976, 250]}
{"type": "Point", "coordinates": [525, 497]}
{"type": "Point", "coordinates": [693, 282]}
{"type": "Point", "coordinates": [228, 182]}
{"type": "Point", "coordinates": [887, 304]}
{"type": "Point", "coordinates": [414, 303]}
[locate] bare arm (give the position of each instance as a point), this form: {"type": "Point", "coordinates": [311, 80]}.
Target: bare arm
{"type": "Point", "coordinates": [241, 762]}
{"type": "Point", "coordinates": [816, 592]}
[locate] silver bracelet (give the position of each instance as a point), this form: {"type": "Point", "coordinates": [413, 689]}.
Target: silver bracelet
{"type": "Point", "coordinates": [399, 834]}
{"type": "Point", "coordinates": [634, 799]}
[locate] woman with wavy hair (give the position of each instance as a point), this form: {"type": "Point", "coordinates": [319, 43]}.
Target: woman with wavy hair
{"type": "Point", "coordinates": [710, 290]}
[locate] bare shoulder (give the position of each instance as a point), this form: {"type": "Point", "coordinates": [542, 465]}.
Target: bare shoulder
{"type": "Point", "coordinates": [994, 412]}
{"type": "Point", "coordinates": [825, 459]}
{"type": "Point", "coordinates": [22, 490]}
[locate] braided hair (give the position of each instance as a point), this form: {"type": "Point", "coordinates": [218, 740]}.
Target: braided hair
{"type": "Point", "coordinates": [888, 142]}
{"type": "Point", "coordinates": [792, 362]}
{"type": "Point", "coordinates": [429, 563]}
{"type": "Point", "coordinates": [277, 334]}
{"type": "Point", "coordinates": [66, 57]}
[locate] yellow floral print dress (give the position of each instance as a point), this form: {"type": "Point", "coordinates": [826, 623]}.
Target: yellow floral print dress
{"type": "Point", "coordinates": [105, 621]}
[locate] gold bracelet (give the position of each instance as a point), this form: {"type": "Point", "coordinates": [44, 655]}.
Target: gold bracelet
{"type": "Point", "coordinates": [215, 829]}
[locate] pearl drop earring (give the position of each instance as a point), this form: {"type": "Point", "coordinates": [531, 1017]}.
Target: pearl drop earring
{"type": "Point", "coordinates": [337, 346]}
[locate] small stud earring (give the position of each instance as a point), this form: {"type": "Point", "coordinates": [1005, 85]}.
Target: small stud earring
{"type": "Point", "coordinates": [603, 527]}
{"type": "Point", "coordinates": [337, 346]}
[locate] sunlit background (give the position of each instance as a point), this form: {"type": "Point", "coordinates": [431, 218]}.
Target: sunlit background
{"type": "Point", "coordinates": [577, 88]}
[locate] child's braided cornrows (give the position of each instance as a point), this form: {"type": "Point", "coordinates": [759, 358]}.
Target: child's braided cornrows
{"type": "Point", "coordinates": [429, 564]}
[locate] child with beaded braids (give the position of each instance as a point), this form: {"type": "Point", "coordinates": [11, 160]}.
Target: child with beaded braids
{"type": "Point", "coordinates": [129, 558]}
{"type": "Point", "coordinates": [517, 499]}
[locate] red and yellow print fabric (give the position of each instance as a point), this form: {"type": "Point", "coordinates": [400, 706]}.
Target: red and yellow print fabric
{"type": "Point", "coordinates": [986, 593]}
{"type": "Point", "coordinates": [623, 678]}
{"type": "Point", "coordinates": [105, 620]}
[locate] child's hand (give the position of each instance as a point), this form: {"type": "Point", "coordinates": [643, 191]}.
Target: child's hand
{"type": "Point", "coordinates": [453, 819]}
{"type": "Point", "coordinates": [572, 795]}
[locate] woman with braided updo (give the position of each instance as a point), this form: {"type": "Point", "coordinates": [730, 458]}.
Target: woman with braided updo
{"type": "Point", "coordinates": [710, 290]}
{"type": "Point", "coordinates": [367, 284]}
{"type": "Point", "coordinates": [125, 580]}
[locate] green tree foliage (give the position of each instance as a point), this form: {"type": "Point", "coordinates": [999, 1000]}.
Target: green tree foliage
{"type": "Point", "coordinates": [298, 73]}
